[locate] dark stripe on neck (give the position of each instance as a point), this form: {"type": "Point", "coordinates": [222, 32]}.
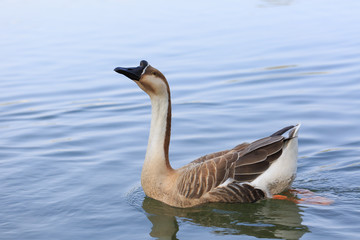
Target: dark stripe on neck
{"type": "Point", "coordinates": [168, 129]}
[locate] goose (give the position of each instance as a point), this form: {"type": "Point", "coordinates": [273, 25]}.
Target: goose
{"type": "Point", "coordinates": [246, 173]}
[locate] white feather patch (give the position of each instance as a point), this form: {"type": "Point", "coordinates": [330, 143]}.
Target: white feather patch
{"type": "Point", "coordinates": [145, 69]}
{"type": "Point", "coordinates": [228, 181]}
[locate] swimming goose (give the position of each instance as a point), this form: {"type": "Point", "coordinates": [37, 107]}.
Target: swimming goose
{"type": "Point", "coordinates": [246, 173]}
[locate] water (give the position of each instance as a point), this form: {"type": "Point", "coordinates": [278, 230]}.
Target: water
{"type": "Point", "coordinates": [74, 133]}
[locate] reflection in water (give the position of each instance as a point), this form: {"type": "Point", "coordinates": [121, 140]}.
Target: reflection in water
{"type": "Point", "coordinates": [266, 219]}
{"type": "Point", "coordinates": [269, 3]}
{"type": "Point", "coordinates": [280, 67]}
{"type": "Point", "coordinates": [164, 227]}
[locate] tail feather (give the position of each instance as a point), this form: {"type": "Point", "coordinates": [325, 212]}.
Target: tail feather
{"type": "Point", "coordinates": [292, 133]}
{"type": "Point", "coordinates": [282, 171]}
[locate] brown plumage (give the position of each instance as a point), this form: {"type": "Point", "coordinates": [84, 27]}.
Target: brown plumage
{"type": "Point", "coordinates": [246, 173]}
{"type": "Point", "coordinates": [243, 163]}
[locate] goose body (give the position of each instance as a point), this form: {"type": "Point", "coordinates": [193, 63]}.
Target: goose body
{"type": "Point", "coordinates": [246, 173]}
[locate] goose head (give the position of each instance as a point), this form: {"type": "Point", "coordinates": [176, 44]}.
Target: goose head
{"type": "Point", "coordinates": [148, 78]}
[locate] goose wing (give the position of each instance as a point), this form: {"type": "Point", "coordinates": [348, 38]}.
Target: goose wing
{"type": "Point", "coordinates": [212, 156]}
{"type": "Point", "coordinates": [225, 173]}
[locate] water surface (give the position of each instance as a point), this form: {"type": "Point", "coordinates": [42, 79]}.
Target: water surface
{"type": "Point", "coordinates": [73, 133]}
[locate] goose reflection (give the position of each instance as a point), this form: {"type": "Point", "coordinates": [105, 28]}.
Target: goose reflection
{"type": "Point", "coordinates": [265, 219]}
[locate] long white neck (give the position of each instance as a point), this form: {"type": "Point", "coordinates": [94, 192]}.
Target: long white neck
{"type": "Point", "coordinates": [157, 156]}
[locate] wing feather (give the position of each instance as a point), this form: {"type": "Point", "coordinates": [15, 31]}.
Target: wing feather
{"type": "Point", "coordinates": [244, 163]}
{"type": "Point", "coordinates": [252, 157]}
{"type": "Point", "coordinates": [256, 168]}
{"type": "Point", "coordinates": [236, 192]}
{"type": "Point", "coordinates": [210, 156]}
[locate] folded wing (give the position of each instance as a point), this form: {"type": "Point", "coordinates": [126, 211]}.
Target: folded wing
{"type": "Point", "coordinates": [225, 174]}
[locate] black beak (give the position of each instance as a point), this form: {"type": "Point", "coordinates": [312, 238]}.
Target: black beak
{"type": "Point", "coordinates": [133, 73]}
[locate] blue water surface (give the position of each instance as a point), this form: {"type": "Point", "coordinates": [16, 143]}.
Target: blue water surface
{"type": "Point", "coordinates": [73, 133]}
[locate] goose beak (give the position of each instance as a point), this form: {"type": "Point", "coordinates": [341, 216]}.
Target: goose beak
{"type": "Point", "coordinates": [133, 73]}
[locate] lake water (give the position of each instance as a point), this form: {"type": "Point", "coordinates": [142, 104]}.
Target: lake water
{"type": "Point", "coordinates": [73, 133]}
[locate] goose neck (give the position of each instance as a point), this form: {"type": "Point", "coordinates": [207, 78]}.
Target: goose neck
{"type": "Point", "coordinates": [157, 153]}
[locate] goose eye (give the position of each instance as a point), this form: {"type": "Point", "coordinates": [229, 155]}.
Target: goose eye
{"type": "Point", "coordinates": [154, 73]}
